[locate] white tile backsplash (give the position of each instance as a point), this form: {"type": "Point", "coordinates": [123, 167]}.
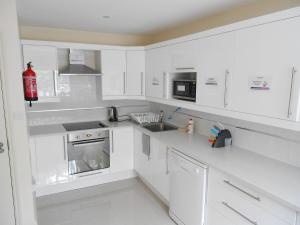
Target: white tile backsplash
{"type": "Point", "coordinates": [45, 117]}
{"type": "Point", "coordinates": [278, 144]}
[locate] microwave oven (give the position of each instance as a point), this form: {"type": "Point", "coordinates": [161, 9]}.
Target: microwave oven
{"type": "Point", "coordinates": [184, 90]}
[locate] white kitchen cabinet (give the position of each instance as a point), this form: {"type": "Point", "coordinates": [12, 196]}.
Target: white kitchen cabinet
{"type": "Point", "coordinates": [49, 159]}
{"type": "Point", "coordinates": [264, 81]}
{"type": "Point", "coordinates": [159, 167]}
{"type": "Point", "coordinates": [216, 218]}
{"type": "Point", "coordinates": [142, 163]}
{"type": "Point", "coordinates": [44, 61]}
{"type": "Point", "coordinates": [157, 68]}
{"type": "Point", "coordinates": [216, 62]}
{"type": "Point", "coordinates": [135, 76]}
{"type": "Point", "coordinates": [122, 147]}
{"type": "Point", "coordinates": [152, 169]}
{"type": "Point", "coordinates": [184, 56]}
{"type": "Point", "coordinates": [113, 72]}
{"type": "Point", "coordinates": [241, 204]}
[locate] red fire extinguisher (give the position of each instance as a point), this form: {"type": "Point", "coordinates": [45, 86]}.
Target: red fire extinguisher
{"type": "Point", "coordinates": [29, 82]}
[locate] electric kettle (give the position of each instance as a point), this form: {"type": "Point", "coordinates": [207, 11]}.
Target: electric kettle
{"type": "Point", "coordinates": [112, 114]}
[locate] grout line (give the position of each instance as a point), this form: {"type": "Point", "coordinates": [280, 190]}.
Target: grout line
{"type": "Point", "coordinates": [88, 108]}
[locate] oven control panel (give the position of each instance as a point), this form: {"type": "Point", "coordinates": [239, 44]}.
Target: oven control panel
{"type": "Point", "coordinates": [88, 135]}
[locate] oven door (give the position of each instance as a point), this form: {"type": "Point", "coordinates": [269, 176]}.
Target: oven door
{"type": "Point", "coordinates": [88, 155]}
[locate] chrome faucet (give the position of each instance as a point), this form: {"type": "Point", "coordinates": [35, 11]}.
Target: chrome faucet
{"type": "Point", "coordinates": [161, 118]}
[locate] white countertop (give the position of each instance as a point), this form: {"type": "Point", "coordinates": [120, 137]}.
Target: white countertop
{"type": "Point", "coordinates": [273, 178]}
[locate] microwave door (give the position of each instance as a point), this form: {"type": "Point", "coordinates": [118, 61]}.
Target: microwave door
{"type": "Point", "coordinates": [181, 88]}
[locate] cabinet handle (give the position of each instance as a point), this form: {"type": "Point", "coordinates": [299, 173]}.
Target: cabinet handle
{"type": "Point", "coordinates": [294, 71]}
{"type": "Point", "coordinates": [65, 147]}
{"type": "Point", "coordinates": [149, 156]}
{"type": "Point", "coordinates": [226, 87]}
{"type": "Point", "coordinates": [142, 83]}
{"type": "Point", "coordinates": [241, 190]}
{"type": "Point", "coordinates": [239, 213]}
{"type": "Point", "coordinates": [167, 161]}
{"type": "Point", "coordinates": [164, 84]}
{"type": "Point", "coordinates": [55, 74]}
{"type": "Point", "coordinates": [112, 142]}
{"type": "Point", "coordinates": [185, 68]}
{"type": "Point", "coordinates": [124, 87]}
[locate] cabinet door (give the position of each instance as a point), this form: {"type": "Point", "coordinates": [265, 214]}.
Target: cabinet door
{"type": "Point", "coordinates": [157, 68]}
{"type": "Point", "coordinates": [216, 61]}
{"type": "Point", "coordinates": [159, 167]}
{"type": "Point", "coordinates": [265, 58]}
{"type": "Point", "coordinates": [121, 157]}
{"type": "Point", "coordinates": [51, 159]}
{"type": "Point", "coordinates": [135, 76]}
{"type": "Point", "coordinates": [142, 163]}
{"type": "Point", "coordinates": [113, 72]}
{"type": "Point", "coordinates": [44, 61]}
{"type": "Point", "coordinates": [184, 56]}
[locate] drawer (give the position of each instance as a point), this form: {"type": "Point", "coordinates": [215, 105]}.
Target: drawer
{"type": "Point", "coordinates": [216, 218]}
{"type": "Point", "coordinates": [224, 189]}
{"type": "Point", "coordinates": [239, 214]}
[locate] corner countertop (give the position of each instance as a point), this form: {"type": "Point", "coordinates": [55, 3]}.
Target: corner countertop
{"type": "Point", "coordinates": [275, 179]}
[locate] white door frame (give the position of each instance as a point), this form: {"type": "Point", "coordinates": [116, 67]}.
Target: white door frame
{"type": "Point", "coordinates": [11, 213]}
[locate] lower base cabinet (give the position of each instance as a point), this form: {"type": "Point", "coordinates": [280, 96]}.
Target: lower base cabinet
{"type": "Point", "coordinates": [153, 168]}
{"type": "Point", "coordinates": [230, 201]}
{"type": "Point", "coordinates": [49, 160]}
{"type": "Point", "coordinates": [121, 155]}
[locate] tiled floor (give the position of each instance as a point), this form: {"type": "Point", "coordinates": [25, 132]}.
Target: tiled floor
{"type": "Point", "coordinates": [120, 203]}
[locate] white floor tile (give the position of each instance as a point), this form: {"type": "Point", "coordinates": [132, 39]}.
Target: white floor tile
{"type": "Point", "coordinates": [120, 203]}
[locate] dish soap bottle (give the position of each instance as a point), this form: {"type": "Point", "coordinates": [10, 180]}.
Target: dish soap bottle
{"type": "Point", "coordinates": [191, 126]}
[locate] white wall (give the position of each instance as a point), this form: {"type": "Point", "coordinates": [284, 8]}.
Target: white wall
{"type": "Point", "coordinates": [278, 144]}
{"type": "Point", "coordinates": [15, 114]}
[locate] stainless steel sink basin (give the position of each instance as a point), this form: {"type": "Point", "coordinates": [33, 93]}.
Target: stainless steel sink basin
{"type": "Point", "coordinates": [158, 127]}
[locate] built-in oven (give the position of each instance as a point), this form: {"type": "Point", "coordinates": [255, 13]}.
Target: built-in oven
{"type": "Point", "coordinates": [184, 90]}
{"type": "Point", "coordinates": [88, 151]}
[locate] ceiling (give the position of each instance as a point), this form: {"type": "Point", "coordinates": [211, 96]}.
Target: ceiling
{"type": "Point", "coordinates": [126, 16]}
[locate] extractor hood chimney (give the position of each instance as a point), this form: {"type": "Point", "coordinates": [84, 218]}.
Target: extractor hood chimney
{"type": "Point", "coordinates": [77, 65]}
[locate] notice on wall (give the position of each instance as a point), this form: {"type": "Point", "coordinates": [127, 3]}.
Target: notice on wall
{"type": "Point", "coordinates": [211, 81]}
{"type": "Point", "coordinates": [260, 83]}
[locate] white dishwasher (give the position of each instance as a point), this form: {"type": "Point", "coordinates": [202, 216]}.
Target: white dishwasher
{"type": "Point", "coordinates": [187, 189]}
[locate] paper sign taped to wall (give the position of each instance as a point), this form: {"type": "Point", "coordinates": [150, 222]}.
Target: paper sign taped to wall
{"type": "Point", "coordinates": [260, 83]}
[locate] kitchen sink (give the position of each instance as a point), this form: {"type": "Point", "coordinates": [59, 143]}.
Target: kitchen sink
{"type": "Point", "coordinates": [157, 127]}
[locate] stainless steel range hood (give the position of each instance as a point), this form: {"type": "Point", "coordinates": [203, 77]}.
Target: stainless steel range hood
{"type": "Point", "coordinates": [80, 63]}
{"type": "Point", "coordinates": [79, 69]}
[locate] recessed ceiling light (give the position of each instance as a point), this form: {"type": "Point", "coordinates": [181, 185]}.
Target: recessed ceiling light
{"type": "Point", "coordinates": [106, 17]}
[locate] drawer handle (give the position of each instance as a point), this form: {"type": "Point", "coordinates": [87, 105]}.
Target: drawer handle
{"type": "Point", "coordinates": [294, 71]}
{"type": "Point", "coordinates": [239, 213]}
{"type": "Point", "coordinates": [185, 68]}
{"type": "Point", "coordinates": [241, 190]}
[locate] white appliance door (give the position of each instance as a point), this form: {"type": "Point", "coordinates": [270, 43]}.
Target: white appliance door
{"type": "Point", "coordinates": [188, 190]}
{"type": "Point", "coordinates": [6, 195]}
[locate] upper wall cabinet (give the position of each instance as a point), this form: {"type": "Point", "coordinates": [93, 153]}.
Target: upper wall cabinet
{"type": "Point", "coordinates": [123, 74]}
{"type": "Point", "coordinates": [265, 80]}
{"type": "Point", "coordinates": [157, 68]}
{"type": "Point", "coordinates": [184, 56]}
{"type": "Point", "coordinates": [113, 72]}
{"type": "Point", "coordinates": [44, 61]}
{"type": "Point", "coordinates": [216, 62]}
{"type": "Point", "coordinates": [135, 76]}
